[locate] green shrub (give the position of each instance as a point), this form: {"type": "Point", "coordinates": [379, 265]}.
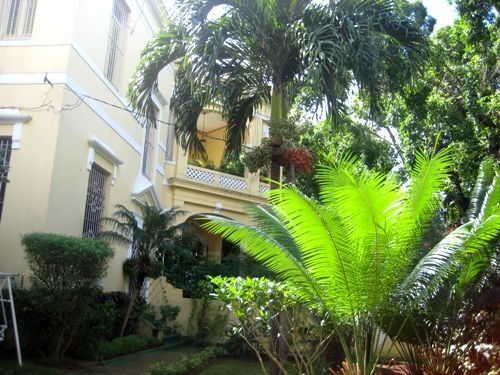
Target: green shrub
{"type": "Point", "coordinates": [101, 322]}
{"type": "Point", "coordinates": [187, 364]}
{"type": "Point", "coordinates": [66, 272]}
{"type": "Point", "coordinates": [125, 345]}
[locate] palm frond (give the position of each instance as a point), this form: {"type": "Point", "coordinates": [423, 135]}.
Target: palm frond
{"type": "Point", "coordinates": [267, 251]}
{"type": "Point", "coordinates": [430, 272]}
{"type": "Point", "coordinates": [483, 182]}
{"type": "Point", "coordinates": [167, 46]}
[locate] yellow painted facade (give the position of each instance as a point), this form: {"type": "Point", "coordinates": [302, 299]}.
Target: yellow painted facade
{"type": "Point", "coordinates": [63, 115]}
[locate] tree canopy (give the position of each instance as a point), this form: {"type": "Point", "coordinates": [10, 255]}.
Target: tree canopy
{"type": "Point", "coordinates": [264, 52]}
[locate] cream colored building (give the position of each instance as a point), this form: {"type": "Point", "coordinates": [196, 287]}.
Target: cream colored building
{"type": "Point", "coordinates": [74, 146]}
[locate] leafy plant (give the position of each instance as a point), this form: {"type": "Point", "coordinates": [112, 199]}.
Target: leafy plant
{"type": "Point", "coordinates": [66, 272]}
{"type": "Point", "coordinates": [126, 345]}
{"type": "Point", "coordinates": [161, 317]}
{"type": "Point", "coordinates": [348, 254]}
{"type": "Point", "coordinates": [257, 305]}
{"type": "Point", "coordinates": [444, 338]}
{"type": "Point", "coordinates": [187, 364]}
{"type": "Point", "coordinates": [148, 241]}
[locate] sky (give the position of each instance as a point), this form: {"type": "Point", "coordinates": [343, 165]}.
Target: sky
{"type": "Point", "coordinates": [442, 11]}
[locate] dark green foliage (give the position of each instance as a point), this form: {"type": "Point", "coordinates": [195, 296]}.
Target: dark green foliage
{"type": "Point", "coordinates": [66, 272]}
{"type": "Point", "coordinates": [149, 242]}
{"type": "Point", "coordinates": [125, 345]}
{"type": "Point", "coordinates": [188, 364]}
{"type": "Point", "coordinates": [455, 103]}
{"type": "Point", "coordinates": [235, 345]}
{"type": "Point", "coordinates": [160, 317]}
{"type": "Point", "coordinates": [329, 141]}
{"type": "Point", "coordinates": [185, 270]}
{"type": "Point", "coordinates": [36, 328]}
{"type": "Point", "coordinates": [101, 322]}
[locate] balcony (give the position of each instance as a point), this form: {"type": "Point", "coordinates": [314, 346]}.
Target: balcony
{"type": "Point", "coordinates": [223, 180]}
{"type": "Point", "coordinates": [212, 173]}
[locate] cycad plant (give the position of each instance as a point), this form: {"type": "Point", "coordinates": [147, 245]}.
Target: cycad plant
{"type": "Point", "coordinates": [350, 252]}
{"type": "Point", "coordinates": [148, 235]}
{"type": "Point", "coordinates": [446, 285]}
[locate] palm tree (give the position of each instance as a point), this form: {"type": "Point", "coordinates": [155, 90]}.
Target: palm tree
{"type": "Point", "coordinates": [350, 252]}
{"type": "Point", "coordinates": [263, 52]}
{"type": "Point", "coordinates": [148, 241]}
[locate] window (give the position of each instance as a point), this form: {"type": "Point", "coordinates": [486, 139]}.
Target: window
{"type": "Point", "coordinates": [116, 41]}
{"type": "Point", "coordinates": [5, 150]}
{"type": "Point", "coordinates": [96, 194]}
{"type": "Point", "coordinates": [169, 154]}
{"type": "Point", "coordinates": [17, 18]}
{"type": "Point", "coordinates": [148, 161]}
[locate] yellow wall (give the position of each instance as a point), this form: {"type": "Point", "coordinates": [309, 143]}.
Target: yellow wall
{"type": "Point", "coordinates": [49, 172]}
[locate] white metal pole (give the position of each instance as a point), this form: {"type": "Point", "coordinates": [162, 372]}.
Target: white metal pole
{"type": "Point", "coordinates": [14, 322]}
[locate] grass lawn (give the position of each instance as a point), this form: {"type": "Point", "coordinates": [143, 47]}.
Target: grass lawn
{"type": "Point", "coordinates": [232, 367]}
{"type": "Point", "coordinates": [11, 368]}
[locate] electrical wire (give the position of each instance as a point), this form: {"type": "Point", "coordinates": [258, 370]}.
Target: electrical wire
{"type": "Point", "coordinates": [47, 105]}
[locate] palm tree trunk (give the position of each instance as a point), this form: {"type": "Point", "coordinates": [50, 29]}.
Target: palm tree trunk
{"type": "Point", "coordinates": [276, 117]}
{"type": "Point", "coordinates": [133, 297]}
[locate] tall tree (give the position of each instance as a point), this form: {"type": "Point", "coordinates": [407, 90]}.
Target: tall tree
{"type": "Point", "coordinates": [455, 103]}
{"type": "Point", "coordinates": [243, 54]}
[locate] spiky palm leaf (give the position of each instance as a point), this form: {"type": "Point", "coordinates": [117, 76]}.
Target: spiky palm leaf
{"type": "Point", "coordinates": [346, 252]}
{"type": "Point", "coordinates": [147, 239]}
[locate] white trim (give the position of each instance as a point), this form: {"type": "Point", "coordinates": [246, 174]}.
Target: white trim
{"type": "Point", "coordinates": [142, 186]}
{"type": "Point", "coordinates": [36, 42]}
{"type": "Point", "coordinates": [262, 116]}
{"type": "Point", "coordinates": [18, 119]}
{"type": "Point", "coordinates": [96, 145]}
{"type": "Point", "coordinates": [17, 131]}
{"type": "Point", "coordinates": [72, 84]}
{"type": "Point", "coordinates": [63, 78]}
{"type": "Point", "coordinates": [104, 150]}
{"type": "Point", "coordinates": [12, 116]}
{"type": "Point", "coordinates": [159, 169]}
{"type": "Point", "coordinates": [67, 42]}
{"type": "Point", "coordinates": [31, 78]}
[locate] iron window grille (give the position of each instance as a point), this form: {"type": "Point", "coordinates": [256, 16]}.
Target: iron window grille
{"type": "Point", "coordinates": [5, 151]}
{"type": "Point", "coordinates": [116, 41]}
{"type": "Point", "coordinates": [17, 18]}
{"type": "Point", "coordinates": [96, 196]}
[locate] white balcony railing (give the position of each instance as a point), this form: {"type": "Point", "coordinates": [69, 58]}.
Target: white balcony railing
{"type": "Point", "coordinates": [216, 178]}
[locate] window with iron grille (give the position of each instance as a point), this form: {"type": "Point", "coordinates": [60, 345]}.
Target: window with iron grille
{"type": "Point", "coordinates": [116, 41]}
{"type": "Point", "coordinates": [96, 195]}
{"type": "Point", "coordinates": [17, 18]}
{"type": "Point", "coordinates": [5, 150]}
